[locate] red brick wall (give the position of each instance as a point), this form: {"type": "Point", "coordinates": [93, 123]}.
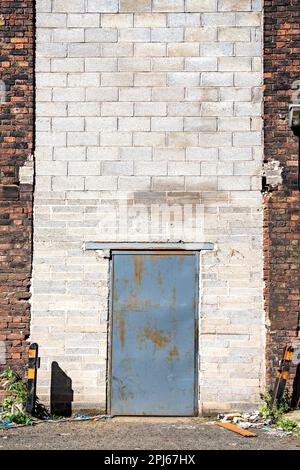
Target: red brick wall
{"type": "Point", "coordinates": [16, 144]}
{"type": "Point", "coordinates": [282, 206]}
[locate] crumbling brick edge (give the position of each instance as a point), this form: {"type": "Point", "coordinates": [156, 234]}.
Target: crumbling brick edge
{"type": "Point", "coordinates": [17, 36]}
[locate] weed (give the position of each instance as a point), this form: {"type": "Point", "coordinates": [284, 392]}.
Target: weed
{"type": "Point", "coordinates": [13, 405]}
{"type": "Point", "coordinates": [278, 409]}
{"type": "Point", "coordinates": [56, 417]}
{"type": "Point", "coordinates": [15, 386]}
{"type": "Point", "coordinates": [287, 424]}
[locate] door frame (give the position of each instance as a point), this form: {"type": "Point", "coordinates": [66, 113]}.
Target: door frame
{"type": "Point", "coordinates": [141, 251]}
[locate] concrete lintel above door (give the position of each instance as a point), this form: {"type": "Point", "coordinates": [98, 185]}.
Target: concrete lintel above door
{"type": "Point", "coordinates": [149, 246]}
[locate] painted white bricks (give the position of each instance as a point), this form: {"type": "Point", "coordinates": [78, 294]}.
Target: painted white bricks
{"type": "Point", "coordinates": [135, 94]}
{"type": "Point", "coordinates": [167, 35]}
{"type": "Point", "coordinates": [236, 34]}
{"type": "Point", "coordinates": [134, 65]}
{"type": "Point", "coordinates": [102, 6]}
{"type": "Point", "coordinates": [206, 5]}
{"type": "Point", "coordinates": [150, 20]}
{"type": "Point", "coordinates": [101, 123]}
{"type": "Point", "coordinates": [66, 35]}
{"type": "Point", "coordinates": [204, 64]}
{"type": "Point", "coordinates": [217, 79]}
{"type": "Point", "coordinates": [150, 109]}
{"type": "Point", "coordinates": [67, 65]}
{"type": "Point", "coordinates": [117, 109]}
{"type": "Point", "coordinates": [150, 50]}
{"type": "Point", "coordinates": [166, 6]}
{"type": "Point", "coordinates": [183, 50]}
{"type": "Point", "coordinates": [117, 21]}
{"type": "Point", "coordinates": [135, 6]}
{"type": "Point", "coordinates": [84, 168]}
{"type": "Point", "coordinates": [133, 35]}
{"type": "Point", "coordinates": [101, 65]}
{"type": "Point", "coordinates": [147, 98]}
{"type": "Point", "coordinates": [59, 6]}
{"type": "Point", "coordinates": [67, 124]}
{"type": "Point", "coordinates": [102, 35]}
{"type": "Point", "coordinates": [83, 79]}
{"type": "Point", "coordinates": [85, 20]}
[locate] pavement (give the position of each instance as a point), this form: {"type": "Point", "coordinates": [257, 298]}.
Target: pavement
{"type": "Point", "coordinates": [139, 433]}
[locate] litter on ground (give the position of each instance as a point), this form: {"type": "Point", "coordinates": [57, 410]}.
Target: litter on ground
{"type": "Point", "coordinates": [242, 421]}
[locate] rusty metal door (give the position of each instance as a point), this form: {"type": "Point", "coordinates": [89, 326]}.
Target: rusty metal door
{"type": "Point", "coordinates": [154, 333]}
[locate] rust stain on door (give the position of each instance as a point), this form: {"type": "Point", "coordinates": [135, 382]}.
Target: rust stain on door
{"type": "Point", "coordinates": [156, 336]}
{"type": "Point", "coordinates": [138, 262]}
{"type": "Point", "coordinates": [174, 297]}
{"type": "Point", "coordinates": [136, 304]}
{"type": "Point", "coordinates": [153, 339]}
{"type": "Point", "coordinates": [121, 329]}
{"type": "Point", "coordinates": [159, 279]}
{"type": "Point", "coordinates": [173, 354]}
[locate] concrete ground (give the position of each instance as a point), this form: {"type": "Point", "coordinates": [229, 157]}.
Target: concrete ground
{"type": "Point", "coordinates": [139, 433]}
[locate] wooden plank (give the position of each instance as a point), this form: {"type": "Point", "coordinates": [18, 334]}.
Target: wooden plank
{"type": "Point", "coordinates": [237, 429]}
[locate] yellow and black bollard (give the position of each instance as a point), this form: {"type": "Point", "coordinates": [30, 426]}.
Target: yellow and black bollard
{"type": "Point", "coordinates": [282, 375]}
{"type": "Point", "coordinates": [33, 364]}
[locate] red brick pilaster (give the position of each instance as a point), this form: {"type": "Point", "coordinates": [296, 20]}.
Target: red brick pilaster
{"type": "Point", "coordinates": [16, 145]}
{"type": "Point", "coordinates": [282, 206]}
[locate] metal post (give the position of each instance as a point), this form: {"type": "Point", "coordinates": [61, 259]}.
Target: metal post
{"type": "Point", "coordinates": [33, 364]}
{"type": "Point", "coordinates": [282, 376]}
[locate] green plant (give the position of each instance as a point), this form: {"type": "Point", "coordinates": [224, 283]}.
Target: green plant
{"type": "Point", "coordinates": [276, 411]}
{"type": "Point", "coordinates": [18, 417]}
{"type": "Point", "coordinates": [13, 405]}
{"type": "Point", "coordinates": [287, 424]}
{"type": "Point", "coordinates": [16, 388]}
{"type": "Point", "coordinates": [55, 417]}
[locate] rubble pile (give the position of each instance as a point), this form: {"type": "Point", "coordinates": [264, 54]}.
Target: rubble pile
{"type": "Point", "coordinates": [253, 420]}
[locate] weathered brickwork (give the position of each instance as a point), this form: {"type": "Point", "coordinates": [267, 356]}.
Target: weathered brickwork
{"type": "Point", "coordinates": [282, 205]}
{"type": "Point", "coordinates": [148, 102]}
{"type": "Point", "coordinates": [140, 103]}
{"type": "Point", "coordinates": [16, 140]}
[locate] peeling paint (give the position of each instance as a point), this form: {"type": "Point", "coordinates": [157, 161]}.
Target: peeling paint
{"type": "Point", "coordinates": [2, 353]}
{"type": "Point", "coordinates": [158, 339]}
{"type": "Point", "coordinates": [2, 91]}
{"type": "Point", "coordinates": [174, 297]}
{"type": "Point", "coordinates": [26, 172]}
{"type": "Point", "coordinates": [272, 172]}
{"type": "Point", "coordinates": [233, 252]}
{"type": "Point", "coordinates": [173, 354]}
{"type": "Point", "coordinates": [136, 304]}
{"type": "Point", "coordinates": [122, 331]}
{"type": "Point", "coordinates": [138, 262]}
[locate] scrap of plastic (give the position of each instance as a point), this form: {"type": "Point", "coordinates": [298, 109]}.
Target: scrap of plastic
{"type": "Point", "coordinates": [279, 433]}
{"type": "Point", "coordinates": [81, 417]}
{"type": "Point", "coordinates": [245, 425]}
{"type": "Point", "coordinates": [268, 421]}
{"type": "Point", "coordinates": [6, 424]}
{"type": "Point", "coordinates": [104, 417]}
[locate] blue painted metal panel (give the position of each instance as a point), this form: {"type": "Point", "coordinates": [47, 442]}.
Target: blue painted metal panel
{"type": "Point", "coordinates": [154, 334]}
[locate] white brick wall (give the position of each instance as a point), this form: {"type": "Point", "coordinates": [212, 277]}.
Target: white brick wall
{"type": "Point", "coordinates": [138, 98]}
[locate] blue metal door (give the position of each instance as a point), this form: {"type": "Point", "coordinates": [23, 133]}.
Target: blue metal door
{"type": "Point", "coordinates": [154, 333]}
